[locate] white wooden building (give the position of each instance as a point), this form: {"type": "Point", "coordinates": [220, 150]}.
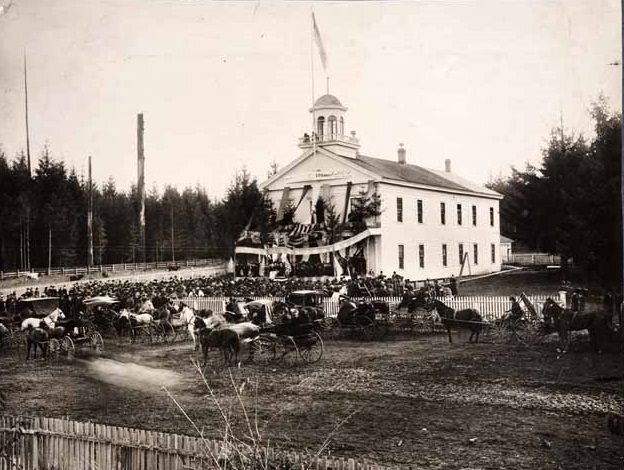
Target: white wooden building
{"type": "Point", "coordinates": [432, 222]}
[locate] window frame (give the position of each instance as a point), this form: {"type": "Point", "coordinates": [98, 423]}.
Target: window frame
{"type": "Point", "coordinates": [475, 254]}
{"type": "Point", "coordinates": [459, 214]}
{"type": "Point", "coordinates": [444, 255]}
{"type": "Point", "coordinates": [442, 213]}
{"type": "Point", "coordinates": [399, 204]}
{"type": "Point", "coordinates": [401, 256]}
{"type": "Point", "coordinates": [419, 210]}
{"type": "Point", "coordinates": [474, 215]}
{"type": "Point", "coordinates": [421, 256]}
{"type": "Point", "coordinates": [493, 252]}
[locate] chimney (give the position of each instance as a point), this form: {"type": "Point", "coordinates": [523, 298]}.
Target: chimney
{"type": "Point", "coordinates": [401, 154]}
{"type": "Point", "coordinates": [447, 165]}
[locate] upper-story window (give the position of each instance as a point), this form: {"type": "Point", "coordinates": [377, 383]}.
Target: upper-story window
{"type": "Point", "coordinates": [332, 125]}
{"type": "Point", "coordinates": [474, 215]}
{"type": "Point", "coordinates": [419, 210]}
{"type": "Point", "coordinates": [492, 216]}
{"type": "Point", "coordinates": [399, 209]}
{"type": "Point", "coordinates": [320, 126]}
{"type": "Point", "coordinates": [443, 213]}
{"type": "Point", "coordinates": [459, 214]}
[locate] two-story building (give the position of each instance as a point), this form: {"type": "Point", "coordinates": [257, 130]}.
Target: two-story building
{"type": "Point", "coordinates": [433, 224]}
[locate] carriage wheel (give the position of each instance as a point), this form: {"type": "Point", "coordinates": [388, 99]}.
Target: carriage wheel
{"type": "Point", "coordinates": [54, 349]}
{"type": "Point", "coordinates": [288, 351]}
{"type": "Point", "coordinates": [67, 347]}
{"type": "Point", "coordinates": [312, 350]}
{"type": "Point", "coordinates": [96, 342]}
{"type": "Point", "coordinates": [168, 331]}
{"type": "Point", "coordinates": [264, 350]}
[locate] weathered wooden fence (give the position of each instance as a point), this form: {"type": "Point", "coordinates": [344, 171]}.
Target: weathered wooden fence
{"type": "Point", "coordinates": [112, 268]}
{"type": "Point", "coordinates": [33, 443]}
{"type": "Point", "coordinates": [532, 259]}
{"type": "Point", "coordinates": [490, 307]}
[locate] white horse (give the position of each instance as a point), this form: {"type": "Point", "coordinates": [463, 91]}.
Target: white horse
{"type": "Point", "coordinates": [141, 319]}
{"type": "Point", "coordinates": [187, 319]}
{"type": "Point", "coordinates": [50, 320]}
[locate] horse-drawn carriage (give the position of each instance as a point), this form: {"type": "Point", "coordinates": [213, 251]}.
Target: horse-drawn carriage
{"type": "Point", "coordinates": [288, 341]}
{"type": "Point", "coordinates": [11, 335]}
{"type": "Point", "coordinates": [363, 319]}
{"type": "Point", "coordinates": [101, 314]}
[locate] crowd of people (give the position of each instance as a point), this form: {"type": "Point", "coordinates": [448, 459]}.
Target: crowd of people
{"type": "Point", "coordinates": [133, 294]}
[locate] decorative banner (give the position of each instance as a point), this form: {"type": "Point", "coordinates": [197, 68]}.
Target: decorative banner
{"type": "Point", "coordinates": [316, 250]}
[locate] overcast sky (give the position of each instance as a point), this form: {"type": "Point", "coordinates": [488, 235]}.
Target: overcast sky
{"type": "Point", "coordinates": [224, 85]}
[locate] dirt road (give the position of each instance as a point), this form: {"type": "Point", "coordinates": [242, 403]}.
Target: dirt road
{"type": "Point", "coordinates": [417, 401]}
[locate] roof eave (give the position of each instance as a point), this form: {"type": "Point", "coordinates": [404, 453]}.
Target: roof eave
{"type": "Point", "coordinates": [440, 188]}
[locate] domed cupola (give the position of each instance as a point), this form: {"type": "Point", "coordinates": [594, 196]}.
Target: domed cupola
{"type": "Point", "coordinates": [329, 128]}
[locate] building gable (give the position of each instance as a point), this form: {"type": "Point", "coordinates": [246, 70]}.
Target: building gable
{"type": "Point", "coordinates": [320, 167]}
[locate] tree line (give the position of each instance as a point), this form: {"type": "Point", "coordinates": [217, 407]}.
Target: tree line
{"type": "Point", "coordinates": [43, 218]}
{"type": "Point", "coordinates": [572, 203]}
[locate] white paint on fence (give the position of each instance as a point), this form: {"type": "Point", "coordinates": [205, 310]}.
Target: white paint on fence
{"type": "Point", "coordinates": [490, 307]}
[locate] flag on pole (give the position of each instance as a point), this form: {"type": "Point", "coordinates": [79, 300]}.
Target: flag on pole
{"type": "Point", "coordinates": [319, 43]}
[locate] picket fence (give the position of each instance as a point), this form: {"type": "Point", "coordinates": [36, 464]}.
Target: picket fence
{"type": "Point", "coordinates": [490, 307]}
{"type": "Point", "coordinates": [36, 443]}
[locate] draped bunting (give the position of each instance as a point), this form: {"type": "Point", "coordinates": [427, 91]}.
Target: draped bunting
{"type": "Point", "coordinates": [316, 250]}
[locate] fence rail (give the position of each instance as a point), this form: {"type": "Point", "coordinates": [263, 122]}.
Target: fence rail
{"type": "Point", "coordinates": [490, 307]}
{"type": "Point", "coordinates": [30, 443]}
{"type": "Point", "coordinates": [532, 259]}
{"type": "Point", "coordinates": [113, 268]}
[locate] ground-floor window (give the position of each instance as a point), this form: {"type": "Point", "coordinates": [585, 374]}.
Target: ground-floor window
{"type": "Point", "coordinates": [444, 255]}
{"type": "Point", "coordinates": [401, 256]}
{"type": "Point", "coordinates": [421, 256]}
{"type": "Point", "coordinates": [493, 249]}
{"type": "Point", "coordinates": [475, 253]}
{"type": "Point", "coordinates": [461, 254]}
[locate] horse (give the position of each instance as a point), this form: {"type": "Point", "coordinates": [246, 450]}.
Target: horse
{"type": "Point", "coordinates": [565, 320]}
{"type": "Point", "coordinates": [415, 301]}
{"type": "Point", "coordinates": [468, 318]}
{"type": "Point", "coordinates": [37, 337]}
{"type": "Point", "coordinates": [130, 320]}
{"type": "Point", "coordinates": [224, 339]}
{"type": "Point", "coordinates": [245, 331]}
{"type": "Point", "coordinates": [187, 319]}
{"type": "Point", "coordinates": [50, 320]}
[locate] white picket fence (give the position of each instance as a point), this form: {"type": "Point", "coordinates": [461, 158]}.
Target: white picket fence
{"type": "Point", "coordinates": [490, 307]}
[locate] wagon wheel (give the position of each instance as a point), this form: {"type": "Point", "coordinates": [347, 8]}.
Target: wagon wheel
{"type": "Point", "coordinates": [96, 341]}
{"type": "Point", "coordinates": [168, 331]}
{"type": "Point", "coordinates": [54, 349]}
{"type": "Point", "coordinates": [288, 351]}
{"type": "Point", "coordinates": [311, 349]}
{"type": "Point", "coordinates": [530, 334]}
{"type": "Point", "coordinates": [67, 347]}
{"type": "Point", "coordinates": [264, 350]}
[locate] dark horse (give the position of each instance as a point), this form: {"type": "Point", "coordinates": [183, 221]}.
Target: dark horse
{"type": "Point", "coordinates": [565, 320]}
{"type": "Point", "coordinates": [468, 319]}
{"type": "Point", "coordinates": [37, 338]}
{"type": "Point", "coordinates": [414, 301]}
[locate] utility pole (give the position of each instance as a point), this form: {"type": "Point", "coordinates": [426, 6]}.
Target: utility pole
{"type": "Point", "coordinates": [172, 238]}
{"type": "Point", "coordinates": [49, 249]}
{"type": "Point", "coordinates": [27, 235]}
{"type": "Point", "coordinates": [141, 184]}
{"type": "Point", "coordinates": [90, 221]}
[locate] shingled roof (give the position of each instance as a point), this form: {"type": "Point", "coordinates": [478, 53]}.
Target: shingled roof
{"type": "Point", "coordinates": [392, 170]}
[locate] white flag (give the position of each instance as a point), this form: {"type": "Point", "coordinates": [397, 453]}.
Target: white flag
{"type": "Point", "coordinates": [319, 43]}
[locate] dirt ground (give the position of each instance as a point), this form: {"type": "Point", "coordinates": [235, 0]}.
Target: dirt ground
{"type": "Point", "coordinates": [415, 401]}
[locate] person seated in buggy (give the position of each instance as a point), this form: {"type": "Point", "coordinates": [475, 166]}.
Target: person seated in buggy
{"type": "Point", "coordinates": [294, 322]}
{"type": "Point", "coordinates": [515, 314]}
